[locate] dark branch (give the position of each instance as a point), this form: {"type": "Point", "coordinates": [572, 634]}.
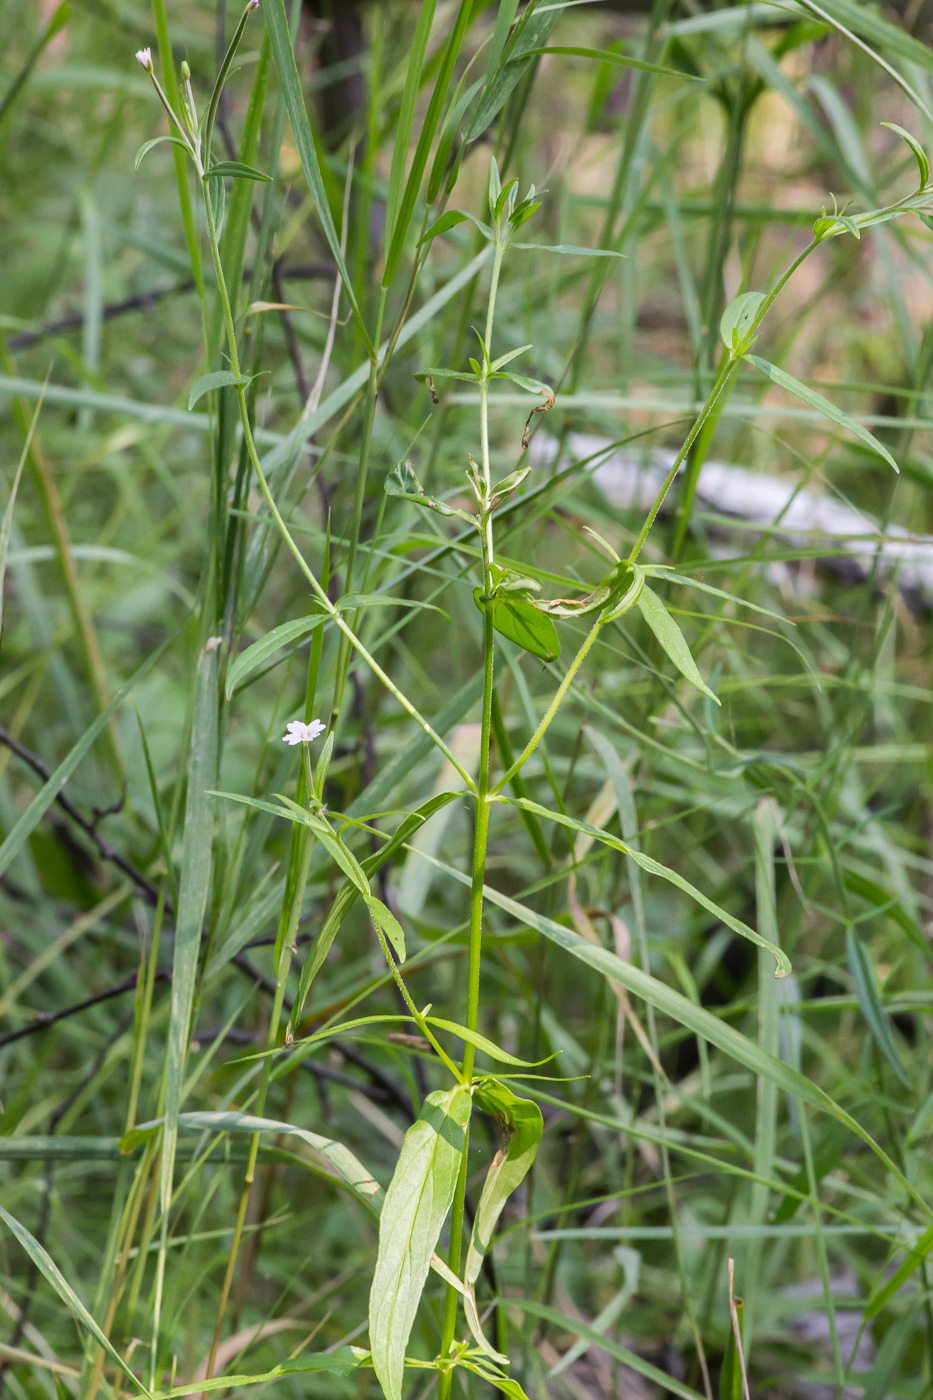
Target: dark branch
{"type": "Point", "coordinates": [49, 1018]}
{"type": "Point", "coordinates": [104, 849]}
{"type": "Point", "coordinates": [142, 301]}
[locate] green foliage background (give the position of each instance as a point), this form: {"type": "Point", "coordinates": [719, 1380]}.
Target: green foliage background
{"type": "Point", "coordinates": [696, 1110]}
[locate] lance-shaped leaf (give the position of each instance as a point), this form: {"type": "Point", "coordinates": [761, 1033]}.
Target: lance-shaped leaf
{"type": "Point", "coordinates": [866, 989]}
{"type": "Point", "coordinates": [53, 1275]}
{"type": "Point", "coordinates": [388, 924]}
{"type": "Point", "coordinates": [919, 154]}
{"type": "Point", "coordinates": [672, 639]}
{"type": "Point", "coordinates": [828, 410]}
{"type": "Point", "coordinates": [260, 652]}
{"type": "Point", "coordinates": [235, 170]}
{"type": "Point", "coordinates": [521, 1124]}
{"type": "Point", "coordinates": [416, 1204]}
{"type": "Point", "coordinates": [283, 54]}
{"type": "Point", "coordinates": [339, 1161]}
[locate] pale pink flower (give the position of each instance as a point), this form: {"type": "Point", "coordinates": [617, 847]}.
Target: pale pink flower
{"type": "Point", "coordinates": [300, 733]}
{"type": "Point", "coordinates": [144, 56]}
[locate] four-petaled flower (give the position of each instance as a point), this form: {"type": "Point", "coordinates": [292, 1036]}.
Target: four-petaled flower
{"type": "Point", "coordinates": [144, 56]}
{"type": "Point", "coordinates": [299, 733]}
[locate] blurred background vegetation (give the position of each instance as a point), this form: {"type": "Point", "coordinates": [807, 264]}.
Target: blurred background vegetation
{"type": "Point", "coordinates": [802, 806]}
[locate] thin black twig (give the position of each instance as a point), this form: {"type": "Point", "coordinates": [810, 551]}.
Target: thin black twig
{"type": "Point", "coordinates": [50, 1018]}
{"type": "Point", "coordinates": [142, 301]}
{"type": "Point", "coordinates": [105, 850]}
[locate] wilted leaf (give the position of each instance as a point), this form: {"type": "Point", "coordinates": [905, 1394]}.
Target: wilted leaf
{"type": "Point", "coordinates": [521, 1125]}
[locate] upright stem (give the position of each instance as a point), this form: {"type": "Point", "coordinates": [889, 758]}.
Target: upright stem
{"type": "Point", "coordinates": [480, 837]}
{"type": "Point", "coordinates": [727, 371]}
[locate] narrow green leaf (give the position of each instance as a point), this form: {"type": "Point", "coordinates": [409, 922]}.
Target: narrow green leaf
{"type": "Point", "coordinates": [509, 356]}
{"type": "Point", "coordinates": [829, 410]}
{"type": "Point", "coordinates": [487, 1046]}
{"type": "Point", "coordinates": [866, 989]}
{"type": "Point", "coordinates": [236, 170]}
{"type": "Point", "coordinates": [876, 894]}
{"type": "Point", "coordinates": [595, 1339]}
{"type": "Point", "coordinates": [6, 525]}
{"type": "Point", "coordinates": [351, 601]}
{"type": "Point", "coordinates": [342, 1362]}
{"type": "Point", "coordinates": [422, 149]}
{"type": "Point", "coordinates": [345, 1165]}
{"type": "Point", "coordinates": [193, 891]}
{"type": "Point", "coordinates": [663, 571]}
{"type": "Point", "coordinates": [516, 56]}
{"type": "Point", "coordinates": [260, 652]}
{"type": "Point", "coordinates": [521, 1125]}
{"type": "Point", "coordinates": [416, 1205]}
{"type": "Point", "coordinates": [915, 1258]}
{"type": "Point", "coordinates": [620, 60]}
{"type": "Point", "coordinates": [147, 146]}
{"type": "Point", "coordinates": [444, 224]}
{"type": "Point", "coordinates": [672, 639]}
{"type": "Point", "coordinates": [863, 20]}
{"type": "Point", "coordinates": [53, 1275]}
{"type": "Point", "coordinates": [920, 155]}
{"type": "Point", "coordinates": [568, 250]}
{"type": "Point", "coordinates": [349, 894]}
{"type": "Point", "coordinates": [694, 1017]}
{"type": "Point", "coordinates": [403, 128]}
{"type": "Point", "coordinates": [328, 838]}
{"type": "Point", "coordinates": [383, 917]}
{"type": "Point", "coordinates": [881, 1381]}
{"type": "Point", "coordinates": [524, 381]}
{"type": "Point", "coordinates": [290, 84]}
{"type": "Point", "coordinates": [654, 867]}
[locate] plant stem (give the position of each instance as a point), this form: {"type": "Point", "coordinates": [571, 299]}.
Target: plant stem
{"type": "Point", "coordinates": [321, 594]}
{"type": "Point", "coordinates": [727, 371]}
{"type": "Point", "coordinates": [552, 709]}
{"type": "Point", "coordinates": [480, 840]}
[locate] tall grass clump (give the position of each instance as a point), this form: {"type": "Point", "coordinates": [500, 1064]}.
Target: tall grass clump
{"type": "Point", "coordinates": [464, 766]}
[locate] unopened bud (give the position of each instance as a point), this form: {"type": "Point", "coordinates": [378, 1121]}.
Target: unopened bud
{"type": "Point", "coordinates": [185, 71]}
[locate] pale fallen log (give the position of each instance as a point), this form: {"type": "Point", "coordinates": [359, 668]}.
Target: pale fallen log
{"type": "Point", "coordinates": [797, 515]}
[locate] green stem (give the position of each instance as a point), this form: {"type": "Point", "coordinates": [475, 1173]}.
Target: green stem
{"type": "Point", "coordinates": [480, 841]}
{"type": "Point", "coordinates": [343, 663]}
{"type": "Point", "coordinates": [320, 593]}
{"type": "Point", "coordinates": [727, 372]}
{"type": "Point", "coordinates": [552, 709]}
